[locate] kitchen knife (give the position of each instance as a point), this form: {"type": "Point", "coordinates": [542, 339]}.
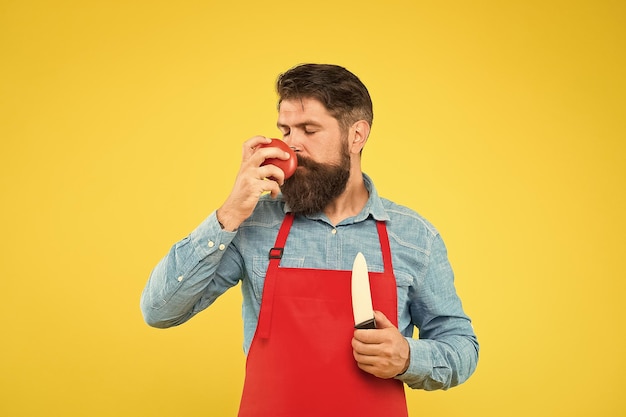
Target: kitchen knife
{"type": "Point", "coordinates": [361, 295]}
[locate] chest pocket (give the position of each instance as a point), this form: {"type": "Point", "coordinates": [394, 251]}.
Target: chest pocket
{"type": "Point", "coordinates": [259, 269]}
{"type": "Point", "coordinates": [404, 284]}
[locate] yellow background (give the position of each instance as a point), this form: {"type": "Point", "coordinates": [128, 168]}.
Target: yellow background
{"type": "Point", "coordinates": [121, 124]}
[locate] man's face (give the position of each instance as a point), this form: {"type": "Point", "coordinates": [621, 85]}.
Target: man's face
{"type": "Point", "coordinates": [323, 157]}
{"type": "Point", "coordinates": [310, 129]}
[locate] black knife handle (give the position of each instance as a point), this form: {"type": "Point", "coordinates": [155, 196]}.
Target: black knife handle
{"type": "Point", "coordinates": [368, 324]}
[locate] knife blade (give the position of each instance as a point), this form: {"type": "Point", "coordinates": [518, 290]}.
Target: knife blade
{"type": "Point", "coordinates": [361, 295]}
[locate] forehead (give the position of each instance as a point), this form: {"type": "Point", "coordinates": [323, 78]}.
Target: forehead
{"type": "Point", "coordinates": [305, 108]}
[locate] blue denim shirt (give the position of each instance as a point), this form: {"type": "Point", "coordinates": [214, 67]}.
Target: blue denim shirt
{"type": "Point", "coordinates": [211, 260]}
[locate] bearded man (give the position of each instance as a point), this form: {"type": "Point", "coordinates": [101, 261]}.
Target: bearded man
{"type": "Point", "coordinates": [292, 243]}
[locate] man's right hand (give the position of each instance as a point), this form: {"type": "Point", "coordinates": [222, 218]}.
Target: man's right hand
{"type": "Point", "coordinates": [251, 182]}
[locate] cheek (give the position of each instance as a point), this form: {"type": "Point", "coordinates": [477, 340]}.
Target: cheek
{"type": "Point", "coordinates": [324, 149]}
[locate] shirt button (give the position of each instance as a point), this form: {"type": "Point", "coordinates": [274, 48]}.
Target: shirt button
{"type": "Point", "coordinates": [222, 247]}
{"type": "Point", "coordinates": [211, 243]}
{"type": "Point", "coordinates": [334, 231]}
{"type": "Point", "coordinates": [180, 278]}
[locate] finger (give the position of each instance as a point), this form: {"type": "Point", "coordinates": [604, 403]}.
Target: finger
{"type": "Point", "coordinates": [275, 193]}
{"type": "Point", "coordinates": [253, 147]}
{"type": "Point", "coordinates": [372, 365]}
{"type": "Point", "coordinates": [365, 360]}
{"type": "Point", "coordinates": [274, 188]}
{"type": "Point", "coordinates": [252, 144]}
{"type": "Point", "coordinates": [382, 322]}
{"type": "Point", "coordinates": [273, 173]}
{"type": "Point", "coordinates": [364, 354]}
{"type": "Point", "coordinates": [374, 336]}
{"type": "Point", "coordinates": [367, 336]}
{"type": "Point", "coordinates": [271, 152]}
{"type": "Point", "coordinates": [376, 370]}
{"type": "Point", "coordinates": [365, 349]}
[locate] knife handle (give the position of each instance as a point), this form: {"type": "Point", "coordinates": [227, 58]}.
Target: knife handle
{"type": "Point", "coordinates": [368, 324]}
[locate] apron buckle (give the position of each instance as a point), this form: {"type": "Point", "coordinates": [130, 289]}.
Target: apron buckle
{"type": "Point", "coordinates": [276, 253]}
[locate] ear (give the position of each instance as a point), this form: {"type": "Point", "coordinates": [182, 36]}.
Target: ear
{"type": "Point", "coordinates": [359, 132]}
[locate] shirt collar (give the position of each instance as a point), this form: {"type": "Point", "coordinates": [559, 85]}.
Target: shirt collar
{"type": "Point", "coordinates": [374, 207]}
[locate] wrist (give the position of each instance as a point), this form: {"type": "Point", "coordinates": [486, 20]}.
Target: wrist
{"type": "Point", "coordinates": [408, 358]}
{"type": "Point", "coordinates": [225, 221]}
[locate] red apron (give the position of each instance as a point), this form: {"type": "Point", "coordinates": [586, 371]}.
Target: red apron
{"type": "Point", "coordinates": [300, 362]}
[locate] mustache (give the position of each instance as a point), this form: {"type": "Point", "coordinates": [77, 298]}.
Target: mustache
{"type": "Point", "coordinates": [304, 161]}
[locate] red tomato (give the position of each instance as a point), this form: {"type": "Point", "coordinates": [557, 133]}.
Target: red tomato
{"type": "Point", "coordinates": [288, 166]}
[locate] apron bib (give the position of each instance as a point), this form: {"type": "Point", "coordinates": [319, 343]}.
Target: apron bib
{"type": "Point", "coordinates": [300, 362]}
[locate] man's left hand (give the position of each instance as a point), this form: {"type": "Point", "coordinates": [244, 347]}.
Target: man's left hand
{"type": "Point", "coordinates": [384, 351]}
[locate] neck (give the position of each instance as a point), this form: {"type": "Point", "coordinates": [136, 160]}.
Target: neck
{"type": "Point", "coordinates": [350, 202]}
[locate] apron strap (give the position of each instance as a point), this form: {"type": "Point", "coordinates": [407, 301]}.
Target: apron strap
{"type": "Point", "coordinates": [275, 254]}
{"type": "Point", "coordinates": [384, 245]}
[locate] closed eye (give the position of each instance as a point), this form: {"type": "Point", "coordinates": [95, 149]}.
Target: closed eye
{"type": "Point", "coordinates": [308, 128]}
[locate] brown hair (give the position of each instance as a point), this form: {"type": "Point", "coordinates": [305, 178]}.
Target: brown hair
{"type": "Point", "coordinates": [340, 91]}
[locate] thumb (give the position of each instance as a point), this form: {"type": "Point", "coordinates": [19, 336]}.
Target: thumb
{"type": "Point", "coordinates": [382, 322]}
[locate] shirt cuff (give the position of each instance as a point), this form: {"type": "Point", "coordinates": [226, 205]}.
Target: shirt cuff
{"type": "Point", "coordinates": [209, 237]}
{"type": "Point", "coordinates": [420, 363]}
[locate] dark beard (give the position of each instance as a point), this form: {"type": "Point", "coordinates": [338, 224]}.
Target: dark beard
{"type": "Point", "coordinates": [310, 189]}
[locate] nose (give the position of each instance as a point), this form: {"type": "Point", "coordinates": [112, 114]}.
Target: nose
{"type": "Point", "coordinates": [292, 143]}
